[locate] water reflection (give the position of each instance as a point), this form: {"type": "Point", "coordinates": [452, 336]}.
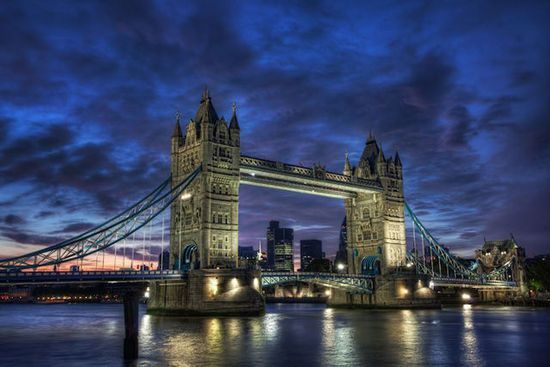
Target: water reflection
{"type": "Point", "coordinates": [408, 337]}
{"type": "Point", "coordinates": [302, 335]}
{"type": "Point", "coordinates": [469, 339]}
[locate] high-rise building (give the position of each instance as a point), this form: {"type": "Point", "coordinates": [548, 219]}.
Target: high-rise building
{"type": "Point", "coordinates": [341, 254]}
{"type": "Point", "coordinates": [164, 260]}
{"type": "Point", "coordinates": [280, 247]}
{"type": "Point", "coordinates": [309, 251]}
{"type": "Point", "coordinates": [284, 256]}
{"type": "Point", "coordinates": [271, 234]}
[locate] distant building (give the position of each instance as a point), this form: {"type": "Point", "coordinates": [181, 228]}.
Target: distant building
{"type": "Point", "coordinates": [247, 256]}
{"type": "Point", "coordinates": [279, 247]}
{"type": "Point", "coordinates": [247, 252]}
{"type": "Point", "coordinates": [262, 258]}
{"type": "Point", "coordinates": [310, 250]}
{"type": "Point", "coordinates": [164, 260]}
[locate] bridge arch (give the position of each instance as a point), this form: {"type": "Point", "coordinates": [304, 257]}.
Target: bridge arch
{"type": "Point", "coordinates": [189, 257]}
{"type": "Point", "coordinates": [370, 265]}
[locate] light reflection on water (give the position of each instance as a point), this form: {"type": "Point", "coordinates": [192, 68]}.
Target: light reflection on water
{"type": "Point", "coordinates": [288, 335]}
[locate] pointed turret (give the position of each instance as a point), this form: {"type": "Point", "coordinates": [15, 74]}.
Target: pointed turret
{"type": "Point", "coordinates": [371, 137]}
{"type": "Point", "coordinates": [380, 163]}
{"type": "Point", "coordinates": [397, 160]}
{"type": "Point", "coordinates": [347, 166]}
{"type": "Point", "coordinates": [177, 136]}
{"type": "Point", "coordinates": [381, 157]}
{"type": "Point", "coordinates": [206, 111]}
{"type": "Point", "coordinates": [234, 123]}
{"type": "Point", "coordinates": [177, 129]}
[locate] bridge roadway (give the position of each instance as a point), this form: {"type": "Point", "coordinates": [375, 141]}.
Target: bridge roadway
{"type": "Point", "coordinates": [57, 277]}
{"type": "Point", "coordinates": [352, 283]}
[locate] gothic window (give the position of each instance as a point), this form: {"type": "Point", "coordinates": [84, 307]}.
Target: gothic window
{"type": "Point", "coordinates": [359, 237]}
{"type": "Point", "coordinates": [226, 219]}
{"type": "Point", "coordinates": [214, 238]}
{"type": "Point", "coordinates": [365, 214]}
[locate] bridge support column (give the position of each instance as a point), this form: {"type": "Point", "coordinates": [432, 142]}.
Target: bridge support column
{"type": "Point", "coordinates": [396, 291]}
{"type": "Point", "coordinates": [131, 324]}
{"type": "Point", "coordinates": [209, 292]}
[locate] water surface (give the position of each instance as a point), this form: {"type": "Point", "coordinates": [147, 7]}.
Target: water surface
{"type": "Point", "coordinates": [288, 335]}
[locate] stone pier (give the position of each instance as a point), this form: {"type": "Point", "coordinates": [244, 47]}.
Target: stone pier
{"type": "Point", "coordinates": [209, 292]}
{"type": "Point", "coordinates": [395, 291]}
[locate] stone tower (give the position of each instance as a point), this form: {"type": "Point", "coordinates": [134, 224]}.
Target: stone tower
{"type": "Point", "coordinates": [207, 213]}
{"type": "Point", "coordinates": [376, 222]}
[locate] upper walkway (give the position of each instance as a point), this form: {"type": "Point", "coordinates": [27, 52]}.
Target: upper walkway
{"type": "Point", "coordinates": [315, 181]}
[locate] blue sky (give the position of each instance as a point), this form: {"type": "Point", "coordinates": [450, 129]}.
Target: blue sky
{"type": "Point", "coordinates": [88, 92]}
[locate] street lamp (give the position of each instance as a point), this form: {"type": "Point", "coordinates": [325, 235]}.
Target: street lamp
{"type": "Point", "coordinates": [340, 267]}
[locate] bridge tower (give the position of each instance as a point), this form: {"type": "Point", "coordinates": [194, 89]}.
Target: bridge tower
{"type": "Point", "coordinates": [376, 222]}
{"type": "Point", "coordinates": [207, 213]}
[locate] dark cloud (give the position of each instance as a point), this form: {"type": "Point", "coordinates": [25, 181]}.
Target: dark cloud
{"type": "Point", "coordinates": [27, 238]}
{"type": "Point", "coordinates": [88, 105]}
{"type": "Point", "coordinates": [13, 220]}
{"type": "Point", "coordinates": [76, 227]}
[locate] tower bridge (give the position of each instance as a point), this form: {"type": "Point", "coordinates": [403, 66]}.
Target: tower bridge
{"type": "Point", "coordinates": [202, 196]}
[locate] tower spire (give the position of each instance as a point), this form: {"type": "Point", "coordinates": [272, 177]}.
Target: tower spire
{"type": "Point", "coordinates": [347, 166]}
{"type": "Point", "coordinates": [371, 136]}
{"type": "Point", "coordinates": [234, 123]}
{"type": "Point", "coordinates": [397, 159]}
{"type": "Point", "coordinates": [177, 129]}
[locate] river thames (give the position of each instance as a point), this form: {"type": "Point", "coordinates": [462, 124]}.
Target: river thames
{"type": "Point", "coordinates": [288, 335]}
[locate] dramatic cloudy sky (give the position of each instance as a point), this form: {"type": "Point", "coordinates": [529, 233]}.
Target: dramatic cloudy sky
{"type": "Point", "coordinates": [88, 92]}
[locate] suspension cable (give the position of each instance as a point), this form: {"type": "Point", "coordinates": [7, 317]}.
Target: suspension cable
{"type": "Point", "coordinates": [133, 250]}
{"type": "Point", "coordinates": [162, 245]}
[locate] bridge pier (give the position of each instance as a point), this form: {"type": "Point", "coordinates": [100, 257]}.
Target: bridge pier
{"type": "Point", "coordinates": [390, 291]}
{"type": "Point", "coordinates": [209, 292]}
{"type": "Point", "coordinates": [131, 324]}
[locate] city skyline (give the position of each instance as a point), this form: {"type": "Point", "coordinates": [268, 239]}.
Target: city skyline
{"type": "Point", "coordinates": [78, 112]}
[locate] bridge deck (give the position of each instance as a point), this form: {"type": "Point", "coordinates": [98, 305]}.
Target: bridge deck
{"type": "Point", "coordinates": [49, 277]}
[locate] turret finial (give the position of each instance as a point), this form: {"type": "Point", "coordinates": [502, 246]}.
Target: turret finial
{"type": "Point", "coordinates": [205, 94]}
{"type": "Point", "coordinates": [234, 107]}
{"type": "Point", "coordinates": [178, 116]}
{"type": "Point", "coordinates": [371, 136]}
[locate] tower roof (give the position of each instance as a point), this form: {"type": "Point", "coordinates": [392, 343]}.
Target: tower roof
{"type": "Point", "coordinates": [234, 123]}
{"type": "Point", "coordinates": [371, 150]}
{"type": "Point", "coordinates": [206, 111]}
